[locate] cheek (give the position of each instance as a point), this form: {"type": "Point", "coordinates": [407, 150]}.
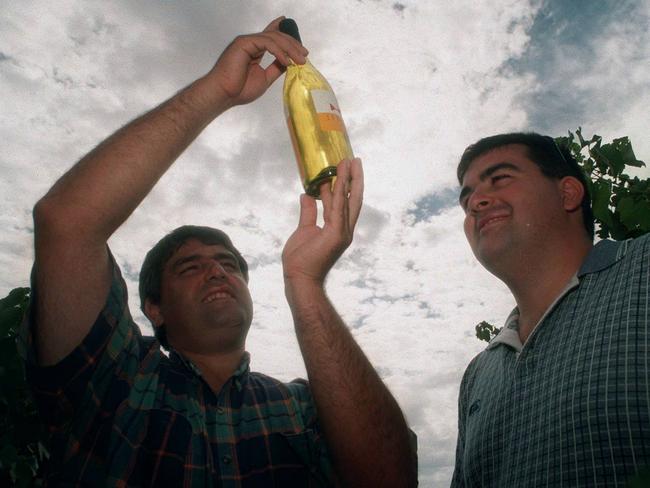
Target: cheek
{"type": "Point", "coordinates": [468, 225]}
{"type": "Point", "coordinates": [166, 293]}
{"type": "Point", "coordinates": [249, 300]}
{"type": "Point", "coordinates": [244, 292]}
{"type": "Point", "coordinates": [172, 298]}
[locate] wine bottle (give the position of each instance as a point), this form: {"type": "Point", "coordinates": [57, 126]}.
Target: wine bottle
{"type": "Point", "coordinates": [313, 116]}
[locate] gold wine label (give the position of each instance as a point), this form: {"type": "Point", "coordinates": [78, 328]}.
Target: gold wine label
{"type": "Point", "coordinates": [327, 108]}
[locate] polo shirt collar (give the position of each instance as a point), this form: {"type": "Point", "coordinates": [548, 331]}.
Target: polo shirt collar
{"type": "Point", "coordinates": [509, 334]}
{"type": "Point", "coordinates": [602, 255]}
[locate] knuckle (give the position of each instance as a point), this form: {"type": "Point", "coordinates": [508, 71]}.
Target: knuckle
{"type": "Point", "coordinates": [240, 39]}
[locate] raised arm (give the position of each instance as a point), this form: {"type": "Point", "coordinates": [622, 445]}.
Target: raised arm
{"type": "Point", "coordinates": [364, 427]}
{"type": "Point", "coordinates": [76, 217]}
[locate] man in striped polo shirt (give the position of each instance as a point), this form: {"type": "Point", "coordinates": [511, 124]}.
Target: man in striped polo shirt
{"type": "Point", "coordinates": [561, 397]}
{"type": "Point", "coordinates": [120, 412]}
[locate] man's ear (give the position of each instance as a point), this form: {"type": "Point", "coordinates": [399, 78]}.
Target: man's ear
{"type": "Point", "coordinates": [153, 313]}
{"type": "Point", "coordinates": [572, 193]}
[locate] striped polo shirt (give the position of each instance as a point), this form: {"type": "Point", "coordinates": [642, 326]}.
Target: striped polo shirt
{"type": "Point", "coordinates": [571, 407]}
{"type": "Point", "coordinates": [122, 413]}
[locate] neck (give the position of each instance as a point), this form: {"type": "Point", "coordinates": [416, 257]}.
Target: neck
{"type": "Point", "coordinates": [536, 282]}
{"type": "Point", "coordinates": [216, 368]}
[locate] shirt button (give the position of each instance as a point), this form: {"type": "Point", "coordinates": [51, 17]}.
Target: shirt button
{"type": "Point", "coordinates": [220, 410]}
{"type": "Point", "coordinates": [226, 459]}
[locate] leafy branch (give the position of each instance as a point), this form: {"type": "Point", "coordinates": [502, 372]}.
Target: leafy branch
{"type": "Point", "coordinates": [621, 203]}
{"type": "Point", "coordinates": [22, 437]}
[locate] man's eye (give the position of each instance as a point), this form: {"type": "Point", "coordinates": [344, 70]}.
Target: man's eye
{"type": "Point", "coordinates": [496, 178]}
{"type": "Point", "coordinates": [229, 265]}
{"type": "Point", "coordinates": [189, 269]}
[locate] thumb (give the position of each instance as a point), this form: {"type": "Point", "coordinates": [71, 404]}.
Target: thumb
{"type": "Point", "coordinates": [273, 71]}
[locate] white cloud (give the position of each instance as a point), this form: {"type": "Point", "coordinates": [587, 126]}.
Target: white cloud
{"type": "Point", "coordinates": [417, 82]}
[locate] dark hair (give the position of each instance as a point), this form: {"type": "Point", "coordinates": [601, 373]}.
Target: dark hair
{"type": "Point", "coordinates": [157, 257]}
{"type": "Point", "coordinates": [553, 161]}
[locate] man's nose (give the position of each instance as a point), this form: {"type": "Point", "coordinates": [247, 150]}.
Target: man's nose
{"type": "Point", "coordinates": [215, 271]}
{"type": "Point", "coordinates": [479, 201]}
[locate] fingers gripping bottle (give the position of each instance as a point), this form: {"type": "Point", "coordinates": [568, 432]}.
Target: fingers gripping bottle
{"type": "Point", "coordinates": [316, 126]}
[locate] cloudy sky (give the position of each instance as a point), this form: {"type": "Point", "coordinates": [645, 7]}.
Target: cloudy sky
{"type": "Point", "coordinates": [417, 81]}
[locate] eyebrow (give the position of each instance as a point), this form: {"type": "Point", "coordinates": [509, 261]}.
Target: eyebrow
{"type": "Point", "coordinates": [485, 175]}
{"type": "Point", "coordinates": [195, 257]}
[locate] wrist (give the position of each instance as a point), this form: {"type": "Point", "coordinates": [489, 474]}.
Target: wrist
{"type": "Point", "coordinates": [302, 289]}
{"type": "Point", "coordinates": [207, 96]}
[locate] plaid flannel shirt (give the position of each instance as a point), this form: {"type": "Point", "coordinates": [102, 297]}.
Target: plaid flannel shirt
{"type": "Point", "coordinates": [122, 413]}
{"type": "Point", "coordinates": [571, 407]}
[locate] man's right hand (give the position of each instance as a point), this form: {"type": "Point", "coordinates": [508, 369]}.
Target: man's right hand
{"type": "Point", "coordinates": [238, 72]}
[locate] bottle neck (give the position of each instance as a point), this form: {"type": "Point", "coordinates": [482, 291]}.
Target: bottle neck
{"type": "Point", "coordinates": [294, 65]}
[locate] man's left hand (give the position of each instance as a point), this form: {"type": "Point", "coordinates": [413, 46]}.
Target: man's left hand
{"type": "Point", "coordinates": [311, 251]}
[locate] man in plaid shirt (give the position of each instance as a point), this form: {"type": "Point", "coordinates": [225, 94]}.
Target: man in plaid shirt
{"type": "Point", "coordinates": [123, 414]}
{"type": "Point", "coordinates": [561, 397]}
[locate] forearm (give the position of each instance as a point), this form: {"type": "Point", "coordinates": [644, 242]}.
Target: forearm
{"type": "Point", "coordinates": [364, 427]}
{"type": "Point", "coordinates": [103, 189]}
{"type": "Point", "coordinates": [81, 211]}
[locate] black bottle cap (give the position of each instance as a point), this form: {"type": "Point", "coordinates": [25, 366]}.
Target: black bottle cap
{"type": "Point", "coordinates": [289, 26]}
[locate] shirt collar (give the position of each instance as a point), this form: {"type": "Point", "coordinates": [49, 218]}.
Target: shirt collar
{"type": "Point", "coordinates": [239, 375]}
{"type": "Point", "coordinates": [509, 334]}
{"type": "Point", "coordinates": [603, 255]}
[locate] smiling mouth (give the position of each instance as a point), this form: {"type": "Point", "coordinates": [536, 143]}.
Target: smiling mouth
{"type": "Point", "coordinates": [491, 221]}
{"type": "Point", "coordinates": [216, 296]}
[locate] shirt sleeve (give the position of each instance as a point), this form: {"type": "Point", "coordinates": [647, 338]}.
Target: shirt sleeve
{"type": "Point", "coordinates": [94, 376]}
{"type": "Point", "coordinates": [458, 480]}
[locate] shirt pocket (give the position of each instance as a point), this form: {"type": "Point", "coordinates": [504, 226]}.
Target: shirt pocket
{"type": "Point", "coordinates": [163, 452]}
{"type": "Point", "coordinates": [308, 447]}
{"type": "Point", "coordinates": [276, 459]}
